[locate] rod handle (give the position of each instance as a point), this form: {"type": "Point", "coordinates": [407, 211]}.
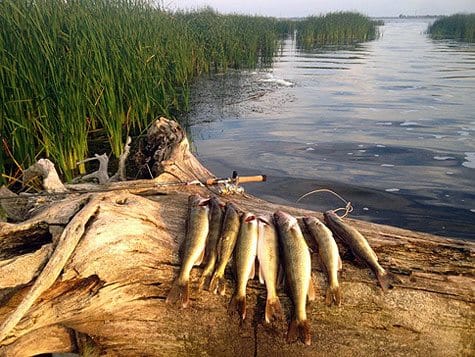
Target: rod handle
{"type": "Point", "coordinates": [242, 179]}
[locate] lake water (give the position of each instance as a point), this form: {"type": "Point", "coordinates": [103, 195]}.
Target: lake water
{"type": "Point", "coordinates": [388, 124]}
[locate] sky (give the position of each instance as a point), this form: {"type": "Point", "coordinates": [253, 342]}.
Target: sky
{"type": "Point", "coordinates": [299, 8]}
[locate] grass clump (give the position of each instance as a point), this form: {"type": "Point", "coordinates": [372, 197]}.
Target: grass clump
{"type": "Point", "coordinates": [460, 27]}
{"type": "Point", "coordinates": [338, 28]}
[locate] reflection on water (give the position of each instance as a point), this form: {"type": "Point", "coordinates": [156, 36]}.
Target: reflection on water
{"type": "Point", "coordinates": [389, 124]}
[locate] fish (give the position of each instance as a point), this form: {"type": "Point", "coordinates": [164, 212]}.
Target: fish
{"type": "Point", "coordinates": [329, 255]}
{"type": "Point", "coordinates": [245, 259]}
{"type": "Point", "coordinates": [215, 221]}
{"type": "Point", "coordinates": [358, 245]}
{"type": "Point", "coordinates": [268, 257]}
{"type": "Point", "coordinates": [298, 271]}
{"type": "Point", "coordinates": [225, 248]}
{"type": "Point", "coordinates": [194, 248]}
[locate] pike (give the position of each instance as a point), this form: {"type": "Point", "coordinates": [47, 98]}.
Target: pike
{"type": "Point", "coordinates": [215, 221]}
{"type": "Point", "coordinates": [226, 244]}
{"type": "Point", "coordinates": [358, 245]}
{"type": "Point", "coordinates": [297, 266]}
{"type": "Point", "coordinates": [268, 257]}
{"type": "Point", "coordinates": [245, 261]}
{"type": "Point", "coordinates": [329, 255]}
{"type": "Point", "coordinates": [195, 241]}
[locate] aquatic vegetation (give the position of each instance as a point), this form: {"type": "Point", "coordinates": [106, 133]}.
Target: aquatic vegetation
{"type": "Point", "coordinates": [69, 69]}
{"type": "Point", "coordinates": [459, 27]}
{"type": "Point", "coordinates": [73, 70]}
{"type": "Point", "coordinates": [335, 29]}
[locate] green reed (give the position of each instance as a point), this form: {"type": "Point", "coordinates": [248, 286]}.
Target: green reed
{"type": "Point", "coordinates": [460, 27]}
{"type": "Point", "coordinates": [72, 68]}
{"type": "Point", "coordinates": [335, 29]}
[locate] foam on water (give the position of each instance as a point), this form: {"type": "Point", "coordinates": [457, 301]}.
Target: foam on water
{"type": "Point", "coordinates": [442, 158]}
{"type": "Point", "coordinates": [269, 78]}
{"type": "Point", "coordinates": [392, 190]}
{"type": "Point", "coordinates": [469, 160]}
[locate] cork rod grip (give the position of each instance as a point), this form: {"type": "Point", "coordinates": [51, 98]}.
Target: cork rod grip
{"type": "Point", "coordinates": [242, 179]}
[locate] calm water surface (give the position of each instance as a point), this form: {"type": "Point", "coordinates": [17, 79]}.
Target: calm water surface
{"type": "Point", "coordinates": [388, 124]}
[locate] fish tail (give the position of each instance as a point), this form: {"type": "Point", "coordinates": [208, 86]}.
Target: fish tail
{"type": "Point", "coordinates": [238, 303]}
{"type": "Point", "coordinates": [299, 330]}
{"type": "Point", "coordinates": [333, 294]}
{"type": "Point", "coordinates": [383, 280]}
{"type": "Point", "coordinates": [217, 283]}
{"type": "Point", "coordinates": [177, 292]}
{"type": "Point", "coordinates": [203, 281]}
{"type": "Point", "coordinates": [273, 309]}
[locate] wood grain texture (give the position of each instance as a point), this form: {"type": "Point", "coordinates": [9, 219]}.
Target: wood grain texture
{"type": "Point", "coordinates": [113, 286]}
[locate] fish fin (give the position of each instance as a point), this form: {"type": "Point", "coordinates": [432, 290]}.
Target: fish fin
{"type": "Point", "coordinates": [252, 274]}
{"type": "Point", "coordinates": [311, 290]}
{"type": "Point", "coordinates": [261, 275]}
{"type": "Point", "coordinates": [204, 281]}
{"type": "Point", "coordinates": [213, 284]}
{"type": "Point", "coordinates": [333, 294]}
{"type": "Point", "coordinates": [222, 287]}
{"type": "Point", "coordinates": [383, 280]}
{"type": "Point", "coordinates": [177, 292]}
{"type": "Point", "coordinates": [200, 257]}
{"type": "Point", "coordinates": [273, 310]}
{"type": "Point", "coordinates": [238, 304]}
{"type": "Point", "coordinates": [299, 330]}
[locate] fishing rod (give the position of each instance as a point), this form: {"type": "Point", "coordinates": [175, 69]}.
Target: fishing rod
{"type": "Point", "coordinates": [233, 181]}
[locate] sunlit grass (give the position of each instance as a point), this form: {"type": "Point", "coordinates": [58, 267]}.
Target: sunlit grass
{"type": "Point", "coordinates": [71, 67]}
{"type": "Point", "coordinates": [460, 27]}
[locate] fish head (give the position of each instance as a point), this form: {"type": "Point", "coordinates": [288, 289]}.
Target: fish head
{"type": "Point", "coordinates": [330, 217]}
{"type": "Point", "coordinates": [285, 220]}
{"type": "Point", "coordinates": [249, 218]}
{"type": "Point", "coordinates": [197, 200]}
{"type": "Point", "coordinates": [265, 219]}
{"type": "Point", "coordinates": [216, 202]}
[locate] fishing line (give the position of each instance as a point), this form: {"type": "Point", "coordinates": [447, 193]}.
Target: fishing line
{"type": "Point", "coordinates": [323, 190]}
{"type": "Point", "coordinates": [348, 207]}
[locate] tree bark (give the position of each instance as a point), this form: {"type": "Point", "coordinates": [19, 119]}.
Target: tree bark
{"type": "Point", "coordinates": [90, 273]}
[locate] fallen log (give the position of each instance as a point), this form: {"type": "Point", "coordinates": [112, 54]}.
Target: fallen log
{"type": "Point", "coordinates": [89, 273]}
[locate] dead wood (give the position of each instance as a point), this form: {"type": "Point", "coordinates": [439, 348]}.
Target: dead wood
{"type": "Point", "coordinates": [106, 275]}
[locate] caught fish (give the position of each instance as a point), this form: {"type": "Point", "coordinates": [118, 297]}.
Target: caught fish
{"type": "Point", "coordinates": [297, 266]}
{"type": "Point", "coordinates": [226, 244]}
{"type": "Point", "coordinates": [358, 245]}
{"type": "Point", "coordinates": [195, 241]}
{"type": "Point", "coordinates": [215, 220]}
{"type": "Point", "coordinates": [329, 255]}
{"type": "Point", "coordinates": [268, 257]}
{"type": "Point", "coordinates": [245, 258]}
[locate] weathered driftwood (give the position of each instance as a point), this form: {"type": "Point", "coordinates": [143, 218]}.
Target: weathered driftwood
{"type": "Point", "coordinates": [90, 273]}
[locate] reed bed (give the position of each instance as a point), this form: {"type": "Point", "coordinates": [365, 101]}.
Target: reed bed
{"type": "Point", "coordinates": [338, 28]}
{"type": "Point", "coordinates": [77, 69]}
{"type": "Point", "coordinates": [460, 27]}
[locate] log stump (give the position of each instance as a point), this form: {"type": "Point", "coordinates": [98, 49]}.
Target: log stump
{"type": "Point", "coordinates": [89, 273]}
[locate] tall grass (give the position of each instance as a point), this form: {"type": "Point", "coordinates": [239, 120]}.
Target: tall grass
{"type": "Point", "coordinates": [335, 29]}
{"type": "Point", "coordinates": [459, 27]}
{"type": "Point", "coordinates": [72, 67]}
